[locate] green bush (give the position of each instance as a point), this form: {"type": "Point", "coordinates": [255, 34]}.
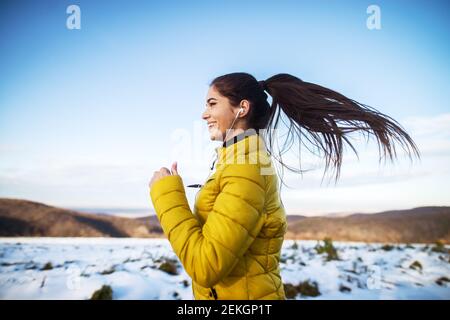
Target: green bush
{"type": "Point", "coordinates": [169, 266]}
{"type": "Point", "coordinates": [439, 247]}
{"type": "Point", "coordinates": [442, 281]}
{"type": "Point", "coordinates": [290, 290]}
{"type": "Point", "coordinates": [327, 248]}
{"type": "Point", "coordinates": [104, 293]}
{"type": "Point", "coordinates": [108, 271]}
{"type": "Point", "coordinates": [47, 266]}
{"type": "Point", "coordinates": [305, 289]}
{"type": "Point", "coordinates": [309, 289]}
{"type": "Point", "coordinates": [416, 265]}
{"type": "Point", "coordinates": [294, 245]}
{"type": "Point", "coordinates": [387, 247]}
{"type": "Point", "coordinates": [185, 283]}
{"type": "Point", "coordinates": [343, 288]}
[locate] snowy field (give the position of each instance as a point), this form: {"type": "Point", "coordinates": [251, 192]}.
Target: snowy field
{"type": "Point", "coordinates": [74, 268]}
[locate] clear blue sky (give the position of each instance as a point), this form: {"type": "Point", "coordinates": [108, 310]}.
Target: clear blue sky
{"type": "Point", "coordinates": [87, 115]}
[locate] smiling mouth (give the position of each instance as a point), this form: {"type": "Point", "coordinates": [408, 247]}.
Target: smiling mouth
{"type": "Point", "coordinates": [210, 125]}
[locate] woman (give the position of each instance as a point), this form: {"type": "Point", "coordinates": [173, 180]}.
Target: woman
{"type": "Point", "coordinates": [230, 246]}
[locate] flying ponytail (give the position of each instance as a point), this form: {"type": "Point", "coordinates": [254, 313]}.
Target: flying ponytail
{"type": "Point", "coordinates": [321, 116]}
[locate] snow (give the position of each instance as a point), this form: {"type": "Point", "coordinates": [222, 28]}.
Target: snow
{"type": "Point", "coordinates": [81, 266]}
{"type": "Point", "coordinates": [368, 270]}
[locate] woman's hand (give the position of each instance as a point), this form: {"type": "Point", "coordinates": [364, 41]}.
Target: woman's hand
{"type": "Point", "coordinates": [157, 175]}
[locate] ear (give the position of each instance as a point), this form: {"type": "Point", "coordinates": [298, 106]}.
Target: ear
{"type": "Point", "coordinates": [245, 105]}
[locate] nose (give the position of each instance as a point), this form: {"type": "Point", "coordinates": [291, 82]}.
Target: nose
{"type": "Point", "coordinates": [205, 115]}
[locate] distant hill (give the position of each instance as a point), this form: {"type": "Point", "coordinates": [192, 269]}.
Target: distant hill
{"type": "Point", "coordinates": [28, 218]}
{"type": "Point", "coordinates": [423, 224]}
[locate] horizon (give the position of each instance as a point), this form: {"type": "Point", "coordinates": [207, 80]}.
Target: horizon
{"type": "Point", "coordinates": [329, 214]}
{"type": "Point", "coordinates": [134, 212]}
{"type": "Point", "coordinates": [123, 210]}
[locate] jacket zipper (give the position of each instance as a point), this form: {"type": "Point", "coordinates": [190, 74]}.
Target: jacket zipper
{"type": "Point", "coordinates": [214, 293]}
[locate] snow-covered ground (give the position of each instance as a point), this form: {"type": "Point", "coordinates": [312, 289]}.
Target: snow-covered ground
{"type": "Point", "coordinates": [80, 266]}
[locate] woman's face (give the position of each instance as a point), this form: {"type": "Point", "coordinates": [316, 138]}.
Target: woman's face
{"type": "Point", "coordinates": [219, 115]}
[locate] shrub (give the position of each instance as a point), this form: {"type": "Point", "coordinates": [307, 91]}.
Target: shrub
{"type": "Point", "coordinates": [387, 247]}
{"type": "Point", "coordinates": [185, 283]}
{"type": "Point", "coordinates": [439, 247]}
{"type": "Point", "coordinates": [343, 288]}
{"type": "Point", "coordinates": [290, 290]}
{"type": "Point", "coordinates": [304, 288]}
{"type": "Point", "coordinates": [169, 266]}
{"type": "Point", "coordinates": [327, 248]}
{"type": "Point", "coordinates": [442, 280]}
{"type": "Point", "coordinates": [108, 271]}
{"type": "Point", "coordinates": [307, 288]}
{"type": "Point", "coordinates": [47, 266]}
{"type": "Point", "coordinates": [416, 265]}
{"type": "Point", "coordinates": [104, 293]}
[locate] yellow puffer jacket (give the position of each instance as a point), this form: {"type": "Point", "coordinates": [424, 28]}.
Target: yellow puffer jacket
{"type": "Point", "coordinates": [230, 245]}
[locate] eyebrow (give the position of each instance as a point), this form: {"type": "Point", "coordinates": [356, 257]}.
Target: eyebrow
{"type": "Point", "coordinates": [207, 101]}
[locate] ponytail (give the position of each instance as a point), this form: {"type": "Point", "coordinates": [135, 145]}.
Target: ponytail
{"type": "Point", "coordinates": [321, 116]}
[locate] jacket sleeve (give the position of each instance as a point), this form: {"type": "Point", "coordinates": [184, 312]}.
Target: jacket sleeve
{"type": "Point", "coordinates": [210, 252]}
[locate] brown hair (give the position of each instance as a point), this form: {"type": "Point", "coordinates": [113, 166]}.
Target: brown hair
{"type": "Point", "coordinates": [320, 115]}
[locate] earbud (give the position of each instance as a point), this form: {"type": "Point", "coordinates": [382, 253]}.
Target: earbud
{"type": "Point", "coordinates": [232, 124]}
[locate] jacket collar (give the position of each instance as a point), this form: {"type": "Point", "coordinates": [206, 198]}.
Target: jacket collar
{"type": "Point", "coordinates": [238, 137]}
{"type": "Point", "coordinates": [240, 146]}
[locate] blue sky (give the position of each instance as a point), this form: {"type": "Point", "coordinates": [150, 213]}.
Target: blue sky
{"type": "Point", "coordinates": [87, 115]}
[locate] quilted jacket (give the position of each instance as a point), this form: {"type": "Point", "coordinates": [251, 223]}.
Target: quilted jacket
{"type": "Point", "coordinates": [230, 244]}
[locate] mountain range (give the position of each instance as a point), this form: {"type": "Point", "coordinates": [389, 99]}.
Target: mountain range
{"type": "Point", "coordinates": [418, 225]}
